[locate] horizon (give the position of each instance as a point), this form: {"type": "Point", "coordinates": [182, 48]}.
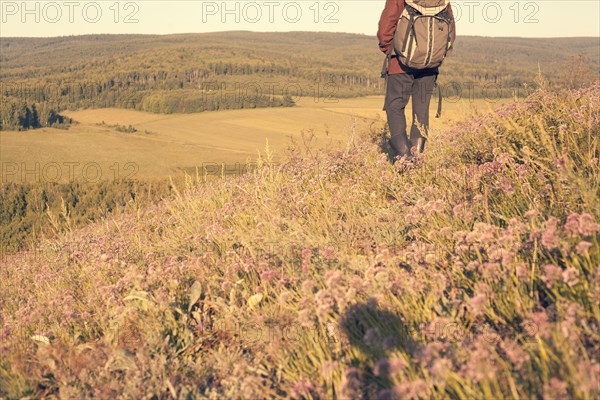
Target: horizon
{"type": "Point", "coordinates": [37, 19]}
{"type": "Point", "coordinates": [275, 32]}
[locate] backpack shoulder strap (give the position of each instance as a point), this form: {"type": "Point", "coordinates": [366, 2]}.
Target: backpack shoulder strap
{"type": "Point", "coordinates": [428, 7]}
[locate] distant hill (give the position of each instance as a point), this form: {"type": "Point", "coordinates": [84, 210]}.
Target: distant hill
{"type": "Point", "coordinates": [212, 71]}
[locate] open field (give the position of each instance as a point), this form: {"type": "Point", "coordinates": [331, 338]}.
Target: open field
{"type": "Point", "coordinates": [165, 144]}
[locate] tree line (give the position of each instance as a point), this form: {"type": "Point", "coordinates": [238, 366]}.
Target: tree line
{"type": "Point", "coordinates": [18, 114]}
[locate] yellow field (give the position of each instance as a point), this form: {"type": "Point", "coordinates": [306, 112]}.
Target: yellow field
{"type": "Point", "coordinates": [165, 144]}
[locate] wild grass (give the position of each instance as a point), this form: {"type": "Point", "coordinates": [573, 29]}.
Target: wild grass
{"type": "Point", "coordinates": [469, 273]}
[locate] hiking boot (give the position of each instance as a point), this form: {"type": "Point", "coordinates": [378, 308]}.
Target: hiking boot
{"type": "Point", "coordinates": [418, 144]}
{"type": "Point", "coordinates": [400, 145]}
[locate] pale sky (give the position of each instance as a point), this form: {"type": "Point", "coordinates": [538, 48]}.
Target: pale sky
{"type": "Point", "coordinates": [545, 18]}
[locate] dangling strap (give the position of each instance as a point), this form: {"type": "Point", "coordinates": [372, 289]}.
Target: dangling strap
{"type": "Point", "coordinates": [386, 65]}
{"type": "Point", "coordinates": [439, 109]}
{"type": "Point", "coordinates": [385, 74]}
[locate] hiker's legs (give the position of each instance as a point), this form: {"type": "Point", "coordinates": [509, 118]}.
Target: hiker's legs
{"type": "Point", "coordinates": [399, 88]}
{"type": "Point", "coordinates": [422, 90]}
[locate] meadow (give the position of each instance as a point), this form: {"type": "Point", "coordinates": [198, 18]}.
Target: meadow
{"type": "Point", "coordinates": [471, 273]}
{"type": "Point", "coordinates": [165, 144]}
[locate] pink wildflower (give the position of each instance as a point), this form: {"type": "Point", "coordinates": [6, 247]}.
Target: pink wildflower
{"type": "Point", "coordinates": [285, 296]}
{"type": "Point", "coordinates": [445, 232]}
{"type": "Point", "coordinates": [587, 226]}
{"type": "Point", "coordinates": [537, 324]}
{"type": "Point", "coordinates": [308, 286]}
{"type": "Point", "coordinates": [397, 365]}
{"type": "Point", "coordinates": [560, 162]}
{"type": "Point", "coordinates": [491, 271]}
{"type": "Point", "coordinates": [440, 369]}
{"type": "Point", "coordinates": [472, 265]}
{"type": "Point", "coordinates": [328, 252]}
{"type": "Point", "coordinates": [522, 270]}
{"type": "Point", "coordinates": [572, 225]}
{"type": "Point", "coordinates": [418, 389]}
{"type": "Point", "coordinates": [351, 384]}
{"type": "Point", "coordinates": [587, 374]}
{"type": "Point", "coordinates": [515, 353]}
{"type": "Point", "coordinates": [438, 205]}
{"type": "Point", "coordinates": [583, 247]}
{"type": "Point", "coordinates": [506, 185]}
{"type": "Point", "coordinates": [551, 275]}
{"type": "Point", "coordinates": [306, 260]}
{"type": "Point", "coordinates": [477, 304]}
{"type": "Point", "coordinates": [325, 302]}
{"type": "Point", "coordinates": [556, 389]}
{"type": "Point", "coordinates": [550, 236]}
{"type": "Point", "coordinates": [333, 278]}
{"type": "Point", "coordinates": [306, 319]}
{"type": "Point", "coordinates": [302, 389]}
{"type": "Point", "coordinates": [581, 225]}
{"type": "Point", "coordinates": [570, 276]}
{"type": "Point", "coordinates": [328, 368]}
{"type": "Point", "coordinates": [481, 364]}
{"type": "Point", "coordinates": [531, 214]}
{"type": "Point", "coordinates": [431, 352]}
{"type": "Point", "coordinates": [267, 275]}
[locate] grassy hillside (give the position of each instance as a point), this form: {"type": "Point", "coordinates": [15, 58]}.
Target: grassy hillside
{"type": "Point", "coordinates": [472, 273]}
{"type": "Point", "coordinates": [233, 70]}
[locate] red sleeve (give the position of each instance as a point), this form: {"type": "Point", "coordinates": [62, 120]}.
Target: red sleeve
{"type": "Point", "coordinates": [388, 22]}
{"type": "Point", "coordinates": [454, 24]}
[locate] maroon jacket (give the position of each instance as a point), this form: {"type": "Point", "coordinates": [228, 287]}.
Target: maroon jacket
{"type": "Point", "coordinates": [387, 28]}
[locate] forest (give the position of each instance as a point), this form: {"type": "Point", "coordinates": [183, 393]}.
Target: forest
{"type": "Point", "coordinates": [187, 73]}
{"type": "Point", "coordinates": [18, 114]}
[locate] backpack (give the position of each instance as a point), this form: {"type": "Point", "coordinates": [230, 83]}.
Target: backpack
{"type": "Point", "coordinates": [423, 38]}
{"type": "Point", "coordinates": [424, 33]}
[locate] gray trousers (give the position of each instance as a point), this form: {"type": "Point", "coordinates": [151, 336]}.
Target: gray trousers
{"type": "Point", "coordinates": [400, 87]}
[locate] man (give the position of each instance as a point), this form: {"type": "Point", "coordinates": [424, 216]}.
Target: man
{"type": "Point", "coordinates": [402, 82]}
